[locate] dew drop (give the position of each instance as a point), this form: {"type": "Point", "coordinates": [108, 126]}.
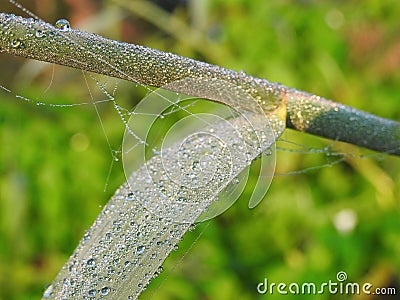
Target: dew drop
{"type": "Point", "coordinates": [127, 264]}
{"type": "Point", "coordinates": [39, 33]}
{"type": "Point", "coordinates": [63, 25]}
{"type": "Point", "coordinates": [235, 180]}
{"type": "Point", "coordinates": [192, 227]}
{"type": "Point", "coordinates": [91, 262]}
{"type": "Point", "coordinates": [156, 152]}
{"type": "Point", "coordinates": [105, 290]}
{"type": "Point", "coordinates": [140, 250]}
{"type": "Point", "coordinates": [92, 293]}
{"type": "Point", "coordinates": [16, 43]}
{"type": "Point", "coordinates": [86, 237]}
{"type": "Point", "coordinates": [48, 292]}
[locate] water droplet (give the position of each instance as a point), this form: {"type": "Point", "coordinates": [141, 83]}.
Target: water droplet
{"type": "Point", "coordinates": [140, 249]}
{"type": "Point", "coordinates": [127, 263]}
{"type": "Point", "coordinates": [48, 292]}
{"type": "Point", "coordinates": [63, 25]}
{"type": "Point", "coordinates": [16, 43]}
{"type": "Point", "coordinates": [39, 33]}
{"type": "Point", "coordinates": [91, 262]}
{"type": "Point", "coordinates": [86, 237]}
{"type": "Point", "coordinates": [195, 164]}
{"type": "Point", "coordinates": [235, 180]}
{"type": "Point", "coordinates": [72, 269]}
{"type": "Point", "coordinates": [180, 199]}
{"type": "Point", "coordinates": [156, 152]}
{"type": "Point", "coordinates": [92, 293]}
{"type": "Point", "coordinates": [105, 290]}
{"type": "Point", "coordinates": [192, 227]}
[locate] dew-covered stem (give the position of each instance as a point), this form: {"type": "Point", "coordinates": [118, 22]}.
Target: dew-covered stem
{"type": "Point", "coordinates": [308, 113]}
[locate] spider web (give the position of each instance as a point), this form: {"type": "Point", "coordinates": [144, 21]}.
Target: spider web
{"type": "Point", "coordinates": [332, 157]}
{"type": "Point", "coordinates": [102, 90]}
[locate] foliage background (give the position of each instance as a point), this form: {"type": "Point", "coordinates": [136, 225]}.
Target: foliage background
{"type": "Point", "coordinates": [57, 170]}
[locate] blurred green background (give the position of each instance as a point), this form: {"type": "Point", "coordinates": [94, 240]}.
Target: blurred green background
{"type": "Point", "coordinates": [58, 167]}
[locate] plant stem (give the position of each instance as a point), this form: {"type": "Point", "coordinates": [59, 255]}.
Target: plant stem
{"type": "Point", "coordinates": [308, 113]}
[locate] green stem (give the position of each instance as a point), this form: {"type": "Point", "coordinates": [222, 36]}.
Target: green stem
{"type": "Point", "coordinates": [308, 113]}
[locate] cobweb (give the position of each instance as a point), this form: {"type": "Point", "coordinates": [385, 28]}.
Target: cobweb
{"type": "Point", "coordinates": [100, 92]}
